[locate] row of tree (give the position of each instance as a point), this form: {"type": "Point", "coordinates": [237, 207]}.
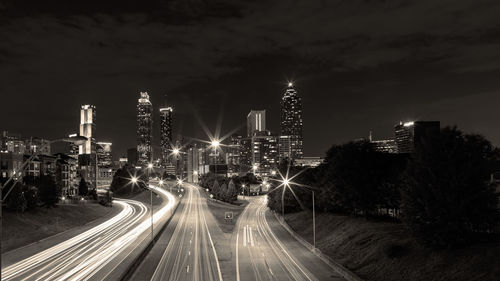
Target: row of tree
{"type": "Point", "coordinates": [31, 192]}
{"type": "Point", "coordinates": [442, 191]}
{"type": "Point", "coordinates": [221, 187]}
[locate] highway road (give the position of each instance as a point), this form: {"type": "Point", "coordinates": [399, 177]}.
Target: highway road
{"type": "Point", "coordinates": [266, 251]}
{"type": "Point", "coordinates": [185, 250]}
{"type": "Point", "coordinates": [94, 254]}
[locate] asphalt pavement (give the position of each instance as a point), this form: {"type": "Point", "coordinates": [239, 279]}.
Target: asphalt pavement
{"type": "Point", "coordinates": [266, 251]}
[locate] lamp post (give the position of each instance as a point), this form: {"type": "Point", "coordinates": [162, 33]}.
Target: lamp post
{"type": "Point", "coordinates": [287, 184]}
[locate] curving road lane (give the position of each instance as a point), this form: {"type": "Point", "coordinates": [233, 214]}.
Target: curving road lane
{"type": "Point", "coordinates": [93, 254]}
{"type": "Point", "coordinates": [266, 251]}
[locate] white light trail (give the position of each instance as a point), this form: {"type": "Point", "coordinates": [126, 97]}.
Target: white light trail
{"type": "Point", "coordinates": [80, 257]}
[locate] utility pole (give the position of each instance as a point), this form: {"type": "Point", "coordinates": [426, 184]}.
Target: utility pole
{"type": "Point", "coordinates": [283, 203]}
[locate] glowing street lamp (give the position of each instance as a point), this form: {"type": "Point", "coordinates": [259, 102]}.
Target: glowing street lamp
{"type": "Point", "coordinates": [176, 151]}
{"type": "Point", "coordinates": [179, 182]}
{"type": "Point", "coordinates": [215, 143]}
{"type": "Point", "coordinates": [150, 165]}
{"type": "Point", "coordinates": [161, 182]}
{"type": "Point", "coordinates": [286, 182]}
{"type": "Point", "coordinates": [273, 172]}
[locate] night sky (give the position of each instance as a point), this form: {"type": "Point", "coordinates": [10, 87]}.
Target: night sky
{"type": "Point", "coordinates": [359, 65]}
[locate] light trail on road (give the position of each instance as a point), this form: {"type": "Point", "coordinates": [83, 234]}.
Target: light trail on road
{"type": "Point", "coordinates": [190, 254]}
{"type": "Point", "coordinates": [260, 254]}
{"type": "Point", "coordinates": [80, 257]}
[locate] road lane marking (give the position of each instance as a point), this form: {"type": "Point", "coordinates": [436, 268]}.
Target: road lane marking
{"type": "Point", "coordinates": [213, 246]}
{"type": "Point", "coordinates": [242, 215]}
{"type": "Point", "coordinates": [251, 237]}
{"type": "Point", "coordinates": [244, 236]}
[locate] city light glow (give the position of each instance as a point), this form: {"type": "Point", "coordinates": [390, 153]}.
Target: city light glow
{"type": "Point", "coordinates": [215, 143]}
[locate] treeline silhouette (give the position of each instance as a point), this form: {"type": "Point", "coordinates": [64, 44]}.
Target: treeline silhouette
{"type": "Point", "coordinates": [441, 192]}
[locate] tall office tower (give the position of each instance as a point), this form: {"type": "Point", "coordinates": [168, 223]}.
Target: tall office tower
{"type": "Point", "coordinates": [144, 130]}
{"type": "Point", "coordinates": [246, 155]}
{"type": "Point", "coordinates": [410, 135]}
{"type": "Point", "coordinates": [233, 155]}
{"type": "Point", "coordinates": [256, 122]}
{"type": "Point", "coordinates": [265, 153]}
{"type": "Point", "coordinates": [87, 128]}
{"type": "Point", "coordinates": [193, 160]}
{"type": "Point", "coordinates": [104, 157]}
{"type": "Point", "coordinates": [165, 135]}
{"type": "Point", "coordinates": [87, 150]}
{"type": "Point", "coordinates": [291, 124]}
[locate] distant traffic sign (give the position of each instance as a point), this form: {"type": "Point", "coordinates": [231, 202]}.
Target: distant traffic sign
{"type": "Point", "coordinates": [228, 216]}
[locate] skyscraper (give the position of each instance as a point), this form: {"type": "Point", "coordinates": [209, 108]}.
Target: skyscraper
{"type": "Point", "coordinates": [291, 124]}
{"type": "Point", "coordinates": [87, 129]}
{"type": "Point", "coordinates": [144, 129]}
{"type": "Point", "coordinates": [410, 135]}
{"type": "Point", "coordinates": [264, 152]}
{"type": "Point", "coordinates": [256, 122]}
{"type": "Point", "coordinates": [165, 134]}
{"type": "Point", "coordinates": [87, 151]}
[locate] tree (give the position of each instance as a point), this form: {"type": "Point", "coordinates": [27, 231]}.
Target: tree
{"type": "Point", "coordinates": [232, 192]}
{"type": "Point", "coordinates": [359, 180]}
{"type": "Point", "coordinates": [222, 194]}
{"type": "Point", "coordinates": [215, 189]}
{"type": "Point", "coordinates": [83, 188]}
{"type": "Point", "coordinates": [446, 196]}
{"type": "Point", "coordinates": [48, 191]}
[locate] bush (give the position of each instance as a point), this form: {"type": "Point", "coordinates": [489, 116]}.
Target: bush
{"type": "Point", "coordinates": [446, 196]}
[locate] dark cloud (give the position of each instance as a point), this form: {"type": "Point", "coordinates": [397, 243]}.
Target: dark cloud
{"type": "Point", "coordinates": [360, 65]}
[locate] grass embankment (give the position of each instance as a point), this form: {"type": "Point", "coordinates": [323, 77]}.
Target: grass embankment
{"type": "Point", "coordinates": [219, 208]}
{"type": "Point", "coordinates": [20, 229]}
{"type": "Point", "coordinates": [384, 251]}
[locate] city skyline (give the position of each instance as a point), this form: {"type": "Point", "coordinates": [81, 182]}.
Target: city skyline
{"type": "Point", "coordinates": [213, 140]}
{"type": "Point", "coordinates": [427, 66]}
